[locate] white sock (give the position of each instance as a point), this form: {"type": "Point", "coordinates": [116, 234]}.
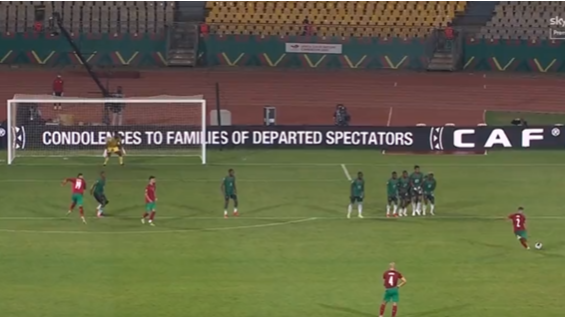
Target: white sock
{"type": "Point", "coordinates": [349, 208]}
{"type": "Point", "coordinates": [414, 208]}
{"type": "Point", "coordinates": [432, 207]}
{"type": "Point", "coordinates": [395, 209]}
{"type": "Point", "coordinates": [99, 207]}
{"type": "Point", "coordinates": [225, 212]}
{"type": "Point", "coordinates": [405, 211]}
{"type": "Point", "coordinates": [424, 209]}
{"type": "Point", "coordinates": [419, 207]}
{"type": "Point", "coordinates": [360, 209]}
{"type": "Point", "coordinates": [388, 209]}
{"type": "Point", "coordinates": [234, 210]}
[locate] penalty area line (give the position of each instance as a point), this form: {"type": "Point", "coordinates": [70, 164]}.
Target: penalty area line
{"type": "Point", "coordinates": [345, 171]}
{"type": "Point", "coordinates": [242, 227]}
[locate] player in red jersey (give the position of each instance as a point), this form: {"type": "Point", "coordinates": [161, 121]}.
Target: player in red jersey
{"type": "Point", "coordinates": [79, 185]}
{"type": "Point", "coordinates": [519, 224]}
{"type": "Point", "coordinates": [150, 201]}
{"type": "Point", "coordinates": [393, 280]}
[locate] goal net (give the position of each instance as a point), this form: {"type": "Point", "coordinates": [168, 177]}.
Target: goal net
{"type": "Point", "coordinates": [48, 126]}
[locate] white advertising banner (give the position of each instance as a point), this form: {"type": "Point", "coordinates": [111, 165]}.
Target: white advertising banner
{"type": "Point", "coordinates": [313, 48]}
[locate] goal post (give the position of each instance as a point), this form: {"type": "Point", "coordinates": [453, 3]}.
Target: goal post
{"type": "Point", "coordinates": [156, 126]}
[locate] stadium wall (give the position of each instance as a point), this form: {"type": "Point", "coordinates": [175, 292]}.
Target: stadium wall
{"type": "Point", "coordinates": [378, 53]}
{"type": "Point", "coordinates": [100, 50]}
{"type": "Point", "coordinates": [272, 51]}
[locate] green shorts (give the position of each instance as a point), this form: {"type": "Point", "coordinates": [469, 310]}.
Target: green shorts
{"type": "Point", "coordinates": [391, 295]}
{"type": "Point", "coordinates": [150, 207]}
{"type": "Point", "coordinates": [229, 196]}
{"type": "Point", "coordinates": [521, 234]}
{"type": "Point", "coordinates": [355, 199]}
{"type": "Point", "coordinates": [77, 199]}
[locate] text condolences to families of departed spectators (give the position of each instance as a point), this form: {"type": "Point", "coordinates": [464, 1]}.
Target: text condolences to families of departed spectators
{"type": "Point", "coordinates": [401, 138]}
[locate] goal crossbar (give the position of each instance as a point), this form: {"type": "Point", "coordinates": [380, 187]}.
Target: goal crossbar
{"type": "Point", "coordinates": [12, 125]}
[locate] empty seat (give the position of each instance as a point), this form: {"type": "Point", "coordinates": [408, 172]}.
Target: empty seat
{"type": "Point", "coordinates": [333, 14]}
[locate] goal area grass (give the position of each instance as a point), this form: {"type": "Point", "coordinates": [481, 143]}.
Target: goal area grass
{"type": "Point", "coordinates": [292, 252]}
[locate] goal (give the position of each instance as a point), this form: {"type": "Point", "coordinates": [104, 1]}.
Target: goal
{"type": "Point", "coordinates": [48, 126]}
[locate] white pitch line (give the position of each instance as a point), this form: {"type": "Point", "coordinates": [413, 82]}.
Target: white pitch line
{"type": "Point", "coordinates": [242, 227]}
{"type": "Point", "coordinates": [345, 171]}
{"type": "Point", "coordinates": [444, 217]}
{"type": "Point", "coordinates": [389, 120]}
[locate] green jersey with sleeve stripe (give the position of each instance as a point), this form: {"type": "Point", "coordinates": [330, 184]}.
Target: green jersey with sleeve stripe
{"type": "Point", "coordinates": [358, 188]}
{"type": "Point", "coordinates": [392, 187]}
{"type": "Point", "coordinates": [416, 179]}
{"type": "Point", "coordinates": [99, 186]}
{"type": "Point", "coordinates": [403, 185]}
{"type": "Point", "coordinates": [229, 185]}
{"type": "Point", "coordinates": [429, 186]}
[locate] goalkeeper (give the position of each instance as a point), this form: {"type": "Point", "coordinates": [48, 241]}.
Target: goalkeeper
{"type": "Point", "coordinates": [114, 146]}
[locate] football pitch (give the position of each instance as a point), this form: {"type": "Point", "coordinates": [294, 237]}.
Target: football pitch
{"type": "Point", "coordinates": [292, 252]}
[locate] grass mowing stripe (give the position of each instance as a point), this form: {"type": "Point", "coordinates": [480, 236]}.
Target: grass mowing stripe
{"type": "Point", "coordinates": [240, 164]}
{"type": "Point", "coordinates": [170, 217]}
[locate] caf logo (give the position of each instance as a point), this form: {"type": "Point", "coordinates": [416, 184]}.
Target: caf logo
{"type": "Point", "coordinates": [19, 135]}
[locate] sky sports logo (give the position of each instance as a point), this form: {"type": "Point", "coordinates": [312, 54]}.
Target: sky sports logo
{"type": "Point", "coordinates": [557, 28]}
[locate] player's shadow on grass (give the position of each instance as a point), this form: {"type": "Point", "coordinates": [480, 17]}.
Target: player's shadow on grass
{"type": "Point", "coordinates": [497, 246]}
{"type": "Point", "coordinates": [354, 312]}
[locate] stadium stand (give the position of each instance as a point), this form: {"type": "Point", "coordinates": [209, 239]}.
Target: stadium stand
{"type": "Point", "coordinates": [331, 18]}
{"type": "Point", "coordinates": [90, 16]}
{"type": "Point", "coordinates": [522, 19]}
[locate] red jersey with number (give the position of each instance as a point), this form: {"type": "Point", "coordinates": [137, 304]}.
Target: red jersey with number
{"type": "Point", "coordinates": [391, 278]}
{"type": "Point", "coordinates": [150, 193]}
{"type": "Point", "coordinates": [78, 185]}
{"type": "Point", "coordinates": [58, 85]}
{"type": "Point", "coordinates": [518, 221]}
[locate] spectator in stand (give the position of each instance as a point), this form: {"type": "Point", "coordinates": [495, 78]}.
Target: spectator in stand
{"type": "Point", "coordinates": [449, 35]}
{"type": "Point", "coordinates": [58, 90]}
{"type": "Point", "coordinates": [38, 26]}
{"type": "Point", "coordinates": [306, 27]}
{"type": "Point", "coordinates": [204, 28]}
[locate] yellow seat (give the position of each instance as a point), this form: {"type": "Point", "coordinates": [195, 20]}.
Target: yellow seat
{"type": "Point", "coordinates": [351, 18]}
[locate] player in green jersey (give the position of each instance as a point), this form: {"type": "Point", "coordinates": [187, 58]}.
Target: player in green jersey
{"type": "Point", "coordinates": [392, 194]}
{"type": "Point", "coordinates": [357, 194]}
{"type": "Point", "coordinates": [416, 180]}
{"type": "Point", "coordinates": [429, 187]}
{"type": "Point", "coordinates": [97, 191]}
{"type": "Point", "coordinates": [404, 193]}
{"type": "Point", "coordinates": [229, 190]}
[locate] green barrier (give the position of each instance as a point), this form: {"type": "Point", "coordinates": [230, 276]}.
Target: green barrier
{"type": "Point", "coordinates": [515, 55]}
{"type": "Point", "coordinates": [367, 53]}
{"type": "Point", "coordinates": [271, 51]}
{"type": "Point", "coordinates": [479, 55]}
{"type": "Point", "coordinates": [102, 50]}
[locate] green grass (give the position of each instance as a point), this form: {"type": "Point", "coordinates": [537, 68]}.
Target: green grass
{"type": "Point", "coordinates": [502, 118]}
{"type": "Point", "coordinates": [292, 252]}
